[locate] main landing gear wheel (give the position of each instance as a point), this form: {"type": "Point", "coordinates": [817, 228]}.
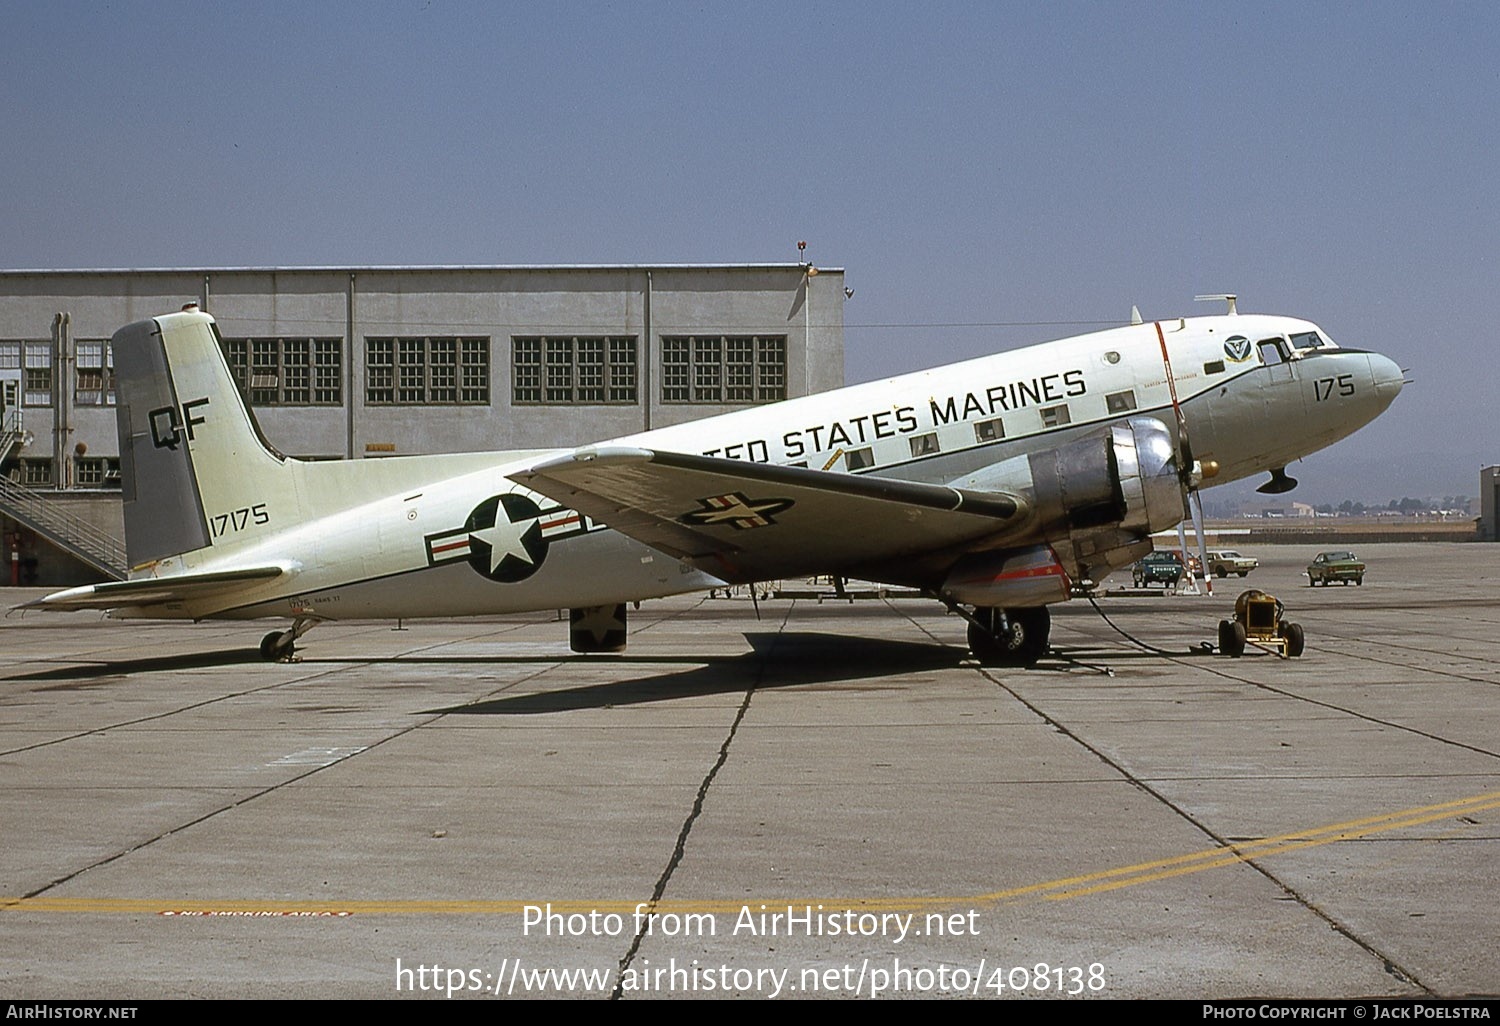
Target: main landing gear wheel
{"type": "Point", "coordinates": [1009, 637]}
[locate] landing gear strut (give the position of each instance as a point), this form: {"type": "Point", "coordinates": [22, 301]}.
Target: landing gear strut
{"type": "Point", "coordinates": [279, 646]}
{"type": "Point", "coordinates": [1009, 637]}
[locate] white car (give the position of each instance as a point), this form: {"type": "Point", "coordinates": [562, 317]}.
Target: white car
{"type": "Point", "coordinates": [1223, 562]}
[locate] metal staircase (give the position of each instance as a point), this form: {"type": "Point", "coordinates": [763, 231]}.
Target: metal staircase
{"type": "Point", "coordinates": [11, 435]}
{"type": "Point", "coordinates": [99, 549]}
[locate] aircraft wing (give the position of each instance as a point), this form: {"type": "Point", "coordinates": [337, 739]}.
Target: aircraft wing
{"type": "Point", "coordinates": [153, 591]}
{"type": "Point", "coordinates": [744, 521]}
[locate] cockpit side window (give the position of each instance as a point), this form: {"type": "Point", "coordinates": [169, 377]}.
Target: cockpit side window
{"type": "Point", "coordinates": [1307, 340]}
{"type": "Point", "coordinates": [1273, 351]}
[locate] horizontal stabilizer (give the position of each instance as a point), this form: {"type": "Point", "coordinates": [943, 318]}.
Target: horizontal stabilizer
{"type": "Point", "coordinates": [151, 591]}
{"type": "Point", "coordinates": [744, 521]}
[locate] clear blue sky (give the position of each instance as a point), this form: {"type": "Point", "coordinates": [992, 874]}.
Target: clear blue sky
{"type": "Point", "coordinates": [986, 173]}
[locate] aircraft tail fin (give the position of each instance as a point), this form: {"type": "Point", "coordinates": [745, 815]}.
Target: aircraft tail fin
{"type": "Point", "coordinates": [195, 470]}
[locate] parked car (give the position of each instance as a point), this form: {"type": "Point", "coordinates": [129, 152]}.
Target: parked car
{"type": "Point", "coordinates": [1223, 562]}
{"type": "Point", "coordinates": [1336, 565]}
{"type": "Point", "coordinates": [1163, 567]}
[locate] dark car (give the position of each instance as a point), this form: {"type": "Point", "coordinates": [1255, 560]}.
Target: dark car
{"type": "Point", "coordinates": [1163, 568]}
{"type": "Point", "coordinates": [1338, 565]}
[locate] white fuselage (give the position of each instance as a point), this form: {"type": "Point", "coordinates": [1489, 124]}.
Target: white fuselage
{"type": "Point", "coordinates": [410, 551]}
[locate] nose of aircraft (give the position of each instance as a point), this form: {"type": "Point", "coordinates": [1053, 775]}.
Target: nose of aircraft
{"type": "Point", "coordinates": [1387, 377]}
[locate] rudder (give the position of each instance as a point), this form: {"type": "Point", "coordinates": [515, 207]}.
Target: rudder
{"type": "Point", "coordinates": [195, 470]}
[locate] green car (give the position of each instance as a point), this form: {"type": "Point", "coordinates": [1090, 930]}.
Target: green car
{"type": "Point", "coordinates": [1160, 567]}
{"type": "Point", "coordinates": [1339, 565]}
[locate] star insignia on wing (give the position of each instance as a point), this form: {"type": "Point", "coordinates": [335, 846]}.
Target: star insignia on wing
{"type": "Point", "coordinates": [737, 510]}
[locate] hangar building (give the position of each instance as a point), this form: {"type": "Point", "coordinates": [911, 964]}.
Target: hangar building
{"type": "Point", "coordinates": [366, 362]}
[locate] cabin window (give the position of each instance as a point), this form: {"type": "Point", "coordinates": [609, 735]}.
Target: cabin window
{"type": "Point", "coordinates": [989, 430]}
{"type": "Point", "coordinates": [859, 459]}
{"type": "Point", "coordinates": [1120, 402]}
{"type": "Point", "coordinates": [1214, 367]}
{"type": "Point", "coordinates": [1055, 416]}
{"type": "Point", "coordinates": [924, 445]}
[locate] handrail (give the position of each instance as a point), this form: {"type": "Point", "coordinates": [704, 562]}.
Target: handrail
{"type": "Point", "coordinates": [99, 549]}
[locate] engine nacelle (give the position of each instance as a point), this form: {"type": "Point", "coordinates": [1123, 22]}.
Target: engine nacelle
{"type": "Point", "coordinates": [1096, 500]}
{"type": "Point", "coordinates": [1009, 579]}
{"type": "Point", "coordinates": [1123, 476]}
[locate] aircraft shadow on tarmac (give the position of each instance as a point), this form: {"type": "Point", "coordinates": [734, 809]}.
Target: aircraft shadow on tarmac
{"type": "Point", "coordinates": [152, 664]}
{"type": "Point", "coordinates": [776, 660]}
{"type": "Point", "coordinates": [801, 658]}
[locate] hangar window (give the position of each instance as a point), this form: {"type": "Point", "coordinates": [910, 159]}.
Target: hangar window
{"type": "Point", "coordinates": [440, 370]}
{"type": "Point", "coordinates": [1055, 416]}
{"type": "Point", "coordinates": [859, 459]}
{"type": "Point", "coordinates": [723, 368]}
{"type": "Point", "coordinates": [34, 361]}
{"type": "Point", "coordinates": [924, 445]}
{"type": "Point", "coordinates": [36, 472]}
{"type": "Point", "coordinates": [989, 430]}
{"type": "Point", "coordinates": [94, 383]}
{"type": "Point", "coordinates": [572, 369]}
{"type": "Point", "coordinates": [288, 371]}
{"type": "Point", "coordinates": [96, 472]}
{"type": "Point", "coordinates": [1119, 402]}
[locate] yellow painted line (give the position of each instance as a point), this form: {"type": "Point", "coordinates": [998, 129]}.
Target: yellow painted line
{"type": "Point", "coordinates": [1052, 890]}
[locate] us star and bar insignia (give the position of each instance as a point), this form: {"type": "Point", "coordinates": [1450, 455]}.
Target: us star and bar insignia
{"type": "Point", "coordinates": [735, 509]}
{"type": "Point", "coordinates": [506, 537]}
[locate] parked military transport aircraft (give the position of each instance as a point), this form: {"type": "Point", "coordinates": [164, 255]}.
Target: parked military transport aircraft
{"type": "Point", "coordinates": [994, 485]}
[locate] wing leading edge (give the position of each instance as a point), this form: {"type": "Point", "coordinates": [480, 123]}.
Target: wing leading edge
{"type": "Point", "coordinates": [745, 521]}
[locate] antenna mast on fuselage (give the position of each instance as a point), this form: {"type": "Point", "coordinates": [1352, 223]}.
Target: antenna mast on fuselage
{"type": "Point", "coordinates": [1227, 297]}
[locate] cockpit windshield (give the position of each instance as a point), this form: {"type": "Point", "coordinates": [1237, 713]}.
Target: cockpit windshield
{"type": "Point", "coordinates": [1310, 340]}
